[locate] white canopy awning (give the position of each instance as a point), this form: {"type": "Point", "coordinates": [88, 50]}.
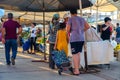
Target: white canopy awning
{"type": "Point", "coordinates": [103, 5]}
{"type": "Point", "coordinates": [115, 3]}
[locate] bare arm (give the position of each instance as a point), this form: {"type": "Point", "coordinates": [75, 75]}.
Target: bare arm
{"type": "Point", "coordinates": [3, 35]}
{"type": "Point", "coordinates": [3, 32]}
{"type": "Point", "coordinates": [67, 38]}
{"type": "Point", "coordinates": [86, 26]}
{"type": "Point", "coordinates": [68, 28]}
{"type": "Point", "coordinates": [19, 30]}
{"type": "Point", "coordinates": [68, 31]}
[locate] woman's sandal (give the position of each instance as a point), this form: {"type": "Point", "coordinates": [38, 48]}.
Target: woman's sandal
{"type": "Point", "coordinates": [28, 52]}
{"type": "Point", "coordinates": [33, 53]}
{"type": "Point", "coordinates": [75, 74]}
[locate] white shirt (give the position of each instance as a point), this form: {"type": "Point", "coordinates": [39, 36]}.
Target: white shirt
{"type": "Point", "coordinates": [33, 32]}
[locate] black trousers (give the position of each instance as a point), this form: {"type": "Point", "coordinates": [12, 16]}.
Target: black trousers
{"type": "Point", "coordinates": [51, 62]}
{"type": "Point", "coordinates": [33, 43]}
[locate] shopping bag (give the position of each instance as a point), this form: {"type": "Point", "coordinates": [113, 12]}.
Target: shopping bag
{"type": "Point", "coordinates": [59, 57]}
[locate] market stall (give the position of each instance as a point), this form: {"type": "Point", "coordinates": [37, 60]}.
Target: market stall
{"type": "Point", "coordinates": [44, 6]}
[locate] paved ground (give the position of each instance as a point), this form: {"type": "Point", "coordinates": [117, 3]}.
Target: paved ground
{"type": "Point", "coordinates": [27, 70]}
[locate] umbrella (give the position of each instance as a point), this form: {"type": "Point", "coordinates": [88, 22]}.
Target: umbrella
{"type": "Point", "coordinates": [43, 6]}
{"type": "Point", "coordinates": [39, 5]}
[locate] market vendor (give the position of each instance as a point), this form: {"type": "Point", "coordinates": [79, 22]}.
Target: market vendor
{"type": "Point", "coordinates": [33, 37]}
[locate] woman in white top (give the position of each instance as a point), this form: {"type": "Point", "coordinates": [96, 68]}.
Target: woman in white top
{"type": "Point", "coordinates": [33, 37]}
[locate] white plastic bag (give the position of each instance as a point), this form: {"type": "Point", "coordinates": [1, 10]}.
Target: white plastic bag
{"type": "Point", "coordinates": [114, 43]}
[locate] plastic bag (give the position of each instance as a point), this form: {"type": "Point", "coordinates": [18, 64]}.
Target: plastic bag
{"type": "Point", "coordinates": [114, 43]}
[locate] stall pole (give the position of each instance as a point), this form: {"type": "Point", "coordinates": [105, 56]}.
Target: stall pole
{"type": "Point", "coordinates": [87, 69]}
{"type": "Point", "coordinates": [34, 16]}
{"type": "Point", "coordinates": [45, 59]}
{"type": "Point", "coordinates": [80, 5]}
{"type": "Point", "coordinates": [44, 29]}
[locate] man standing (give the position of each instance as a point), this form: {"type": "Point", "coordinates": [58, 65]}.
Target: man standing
{"type": "Point", "coordinates": [33, 37]}
{"type": "Point", "coordinates": [106, 29]}
{"type": "Point", "coordinates": [9, 38]}
{"type": "Point", "coordinates": [52, 38]}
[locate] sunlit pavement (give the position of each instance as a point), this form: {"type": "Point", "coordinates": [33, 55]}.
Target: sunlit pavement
{"type": "Point", "coordinates": [27, 70]}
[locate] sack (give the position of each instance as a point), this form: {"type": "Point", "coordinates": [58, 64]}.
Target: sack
{"type": "Point", "coordinates": [59, 57]}
{"type": "Point", "coordinates": [92, 36]}
{"type": "Point", "coordinates": [26, 45]}
{"type": "Point", "coordinates": [99, 52]}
